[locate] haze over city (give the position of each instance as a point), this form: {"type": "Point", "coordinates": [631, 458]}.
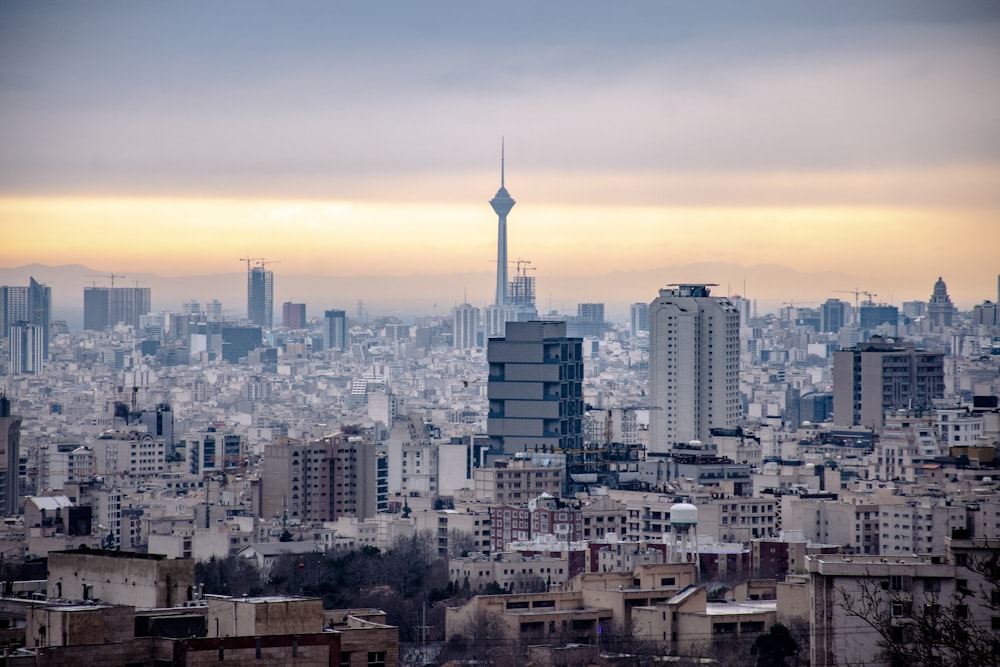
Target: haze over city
{"type": "Point", "coordinates": [798, 149]}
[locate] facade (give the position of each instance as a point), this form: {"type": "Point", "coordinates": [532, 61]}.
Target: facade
{"type": "Point", "coordinates": [237, 342]}
{"type": "Point", "coordinates": [108, 306]}
{"type": "Point", "coordinates": [940, 310]}
{"type": "Point", "coordinates": [877, 376]}
{"type": "Point", "coordinates": [293, 315]}
{"type": "Point", "coordinates": [31, 305]}
{"type": "Point", "coordinates": [335, 330]}
{"type": "Point", "coordinates": [833, 315]}
{"type": "Point", "coordinates": [535, 389]}
{"type": "Point", "coordinates": [260, 296]}
{"type": "Point", "coordinates": [143, 581]}
{"type": "Point", "coordinates": [465, 327]}
{"type": "Point", "coordinates": [638, 318]}
{"type": "Point", "coordinates": [320, 480]}
{"type": "Point", "coordinates": [517, 481]}
{"type": "Point", "coordinates": [27, 348]}
{"type": "Point", "coordinates": [694, 362]}
{"type": "Point", "coordinates": [10, 434]}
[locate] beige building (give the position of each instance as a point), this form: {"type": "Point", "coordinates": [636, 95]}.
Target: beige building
{"type": "Point", "coordinates": [589, 604]}
{"type": "Point", "coordinates": [517, 481]}
{"type": "Point", "coordinates": [138, 580]}
{"type": "Point", "coordinates": [687, 621]}
{"type": "Point", "coordinates": [846, 592]}
{"type": "Point", "coordinates": [878, 375]}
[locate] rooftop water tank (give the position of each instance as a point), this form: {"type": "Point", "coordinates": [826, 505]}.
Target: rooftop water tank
{"type": "Point", "coordinates": [683, 514]}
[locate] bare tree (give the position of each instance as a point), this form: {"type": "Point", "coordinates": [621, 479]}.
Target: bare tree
{"type": "Point", "coordinates": [933, 629]}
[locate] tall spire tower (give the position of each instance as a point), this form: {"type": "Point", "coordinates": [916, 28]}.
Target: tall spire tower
{"type": "Point", "coordinates": [502, 202]}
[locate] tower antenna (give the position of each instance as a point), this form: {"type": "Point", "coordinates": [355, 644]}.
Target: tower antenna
{"type": "Point", "coordinates": [501, 161]}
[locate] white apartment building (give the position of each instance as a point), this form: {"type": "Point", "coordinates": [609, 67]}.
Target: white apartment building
{"type": "Point", "coordinates": [694, 363]}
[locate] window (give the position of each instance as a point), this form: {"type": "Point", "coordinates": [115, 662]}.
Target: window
{"type": "Point", "coordinates": [376, 658]}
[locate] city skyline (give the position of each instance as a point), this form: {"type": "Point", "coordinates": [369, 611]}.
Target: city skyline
{"type": "Point", "coordinates": [853, 145]}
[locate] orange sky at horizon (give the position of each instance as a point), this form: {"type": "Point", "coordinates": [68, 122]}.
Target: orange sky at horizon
{"type": "Point", "coordinates": [194, 236]}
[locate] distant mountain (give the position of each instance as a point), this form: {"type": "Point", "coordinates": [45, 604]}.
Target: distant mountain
{"type": "Point", "coordinates": [409, 295]}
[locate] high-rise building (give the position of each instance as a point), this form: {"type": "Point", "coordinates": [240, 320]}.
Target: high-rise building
{"type": "Point", "coordinates": [293, 315]}
{"type": "Point", "coordinates": [260, 295]}
{"type": "Point", "coordinates": [465, 326]}
{"type": "Point", "coordinates": [10, 434]}
{"type": "Point", "coordinates": [940, 309]}
{"type": "Point", "coordinates": [320, 480]}
{"type": "Point", "coordinates": [694, 363]}
{"type": "Point", "coordinates": [638, 318]}
{"type": "Point", "coordinates": [535, 389]}
{"type": "Point", "coordinates": [833, 315]}
{"type": "Point", "coordinates": [876, 376]}
{"type": "Point", "coordinates": [335, 330]}
{"type": "Point", "coordinates": [26, 348]}
{"type": "Point", "coordinates": [502, 203]}
{"type": "Point", "coordinates": [108, 306]}
{"type": "Point", "coordinates": [213, 311]}
{"type": "Point", "coordinates": [31, 304]}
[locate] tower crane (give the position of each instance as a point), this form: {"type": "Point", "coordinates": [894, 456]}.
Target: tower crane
{"type": "Point", "coordinates": [110, 276]}
{"type": "Point", "coordinates": [857, 293]}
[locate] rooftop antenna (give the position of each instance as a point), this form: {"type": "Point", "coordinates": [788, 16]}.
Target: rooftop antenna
{"type": "Point", "coordinates": [501, 161]}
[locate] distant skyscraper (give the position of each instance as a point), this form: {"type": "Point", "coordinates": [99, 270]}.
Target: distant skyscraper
{"type": "Point", "coordinates": [108, 306]}
{"type": "Point", "coordinates": [31, 304]}
{"type": "Point", "coordinates": [260, 296]}
{"type": "Point", "coordinates": [638, 318]}
{"type": "Point", "coordinates": [535, 389]}
{"type": "Point", "coordinates": [213, 311]}
{"type": "Point", "coordinates": [833, 315]}
{"type": "Point", "coordinates": [26, 348]}
{"type": "Point", "coordinates": [40, 310]}
{"type": "Point", "coordinates": [10, 434]}
{"type": "Point", "coordinates": [293, 315]}
{"type": "Point", "coordinates": [335, 330]}
{"type": "Point", "coordinates": [465, 327]}
{"type": "Point", "coordinates": [940, 309]}
{"type": "Point", "coordinates": [502, 203]}
{"type": "Point", "coordinates": [694, 364]}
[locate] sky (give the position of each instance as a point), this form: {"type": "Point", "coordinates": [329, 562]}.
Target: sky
{"type": "Point", "coordinates": [793, 150]}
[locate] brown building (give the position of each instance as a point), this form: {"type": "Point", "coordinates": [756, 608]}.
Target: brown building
{"type": "Point", "coordinates": [877, 376]}
{"type": "Point", "coordinates": [320, 480]}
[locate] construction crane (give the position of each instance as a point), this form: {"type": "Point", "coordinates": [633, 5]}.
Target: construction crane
{"type": "Point", "coordinates": [110, 276]}
{"type": "Point", "coordinates": [857, 293]}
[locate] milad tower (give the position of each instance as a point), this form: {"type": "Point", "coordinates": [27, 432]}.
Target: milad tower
{"type": "Point", "coordinates": [502, 202]}
{"type": "Point", "coordinates": [500, 313]}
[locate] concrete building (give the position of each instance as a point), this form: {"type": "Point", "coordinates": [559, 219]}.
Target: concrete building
{"type": "Point", "coordinates": [535, 389]}
{"type": "Point", "coordinates": [144, 581]}
{"type": "Point", "coordinates": [940, 310]}
{"type": "Point", "coordinates": [849, 593]}
{"type": "Point", "coordinates": [335, 330]}
{"type": "Point", "coordinates": [638, 318]}
{"type": "Point", "coordinates": [10, 452]}
{"type": "Point", "coordinates": [465, 326]}
{"type": "Point", "coordinates": [108, 306]}
{"type": "Point", "coordinates": [319, 480]}
{"type": "Point", "coordinates": [293, 315]}
{"type": "Point", "coordinates": [694, 363]}
{"type": "Point", "coordinates": [518, 480]}
{"type": "Point", "coordinates": [260, 295]}
{"type": "Point", "coordinates": [833, 315]}
{"type": "Point", "coordinates": [877, 376]}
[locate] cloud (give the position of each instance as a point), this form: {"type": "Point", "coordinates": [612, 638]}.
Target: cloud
{"type": "Point", "coordinates": [248, 97]}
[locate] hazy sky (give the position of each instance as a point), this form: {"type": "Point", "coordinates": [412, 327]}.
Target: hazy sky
{"type": "Point", "coordinates": [860, 139]}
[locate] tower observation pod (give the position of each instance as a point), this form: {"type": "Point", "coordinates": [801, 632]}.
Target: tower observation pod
{"type": "Point", "coordinates": [683, 534]}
